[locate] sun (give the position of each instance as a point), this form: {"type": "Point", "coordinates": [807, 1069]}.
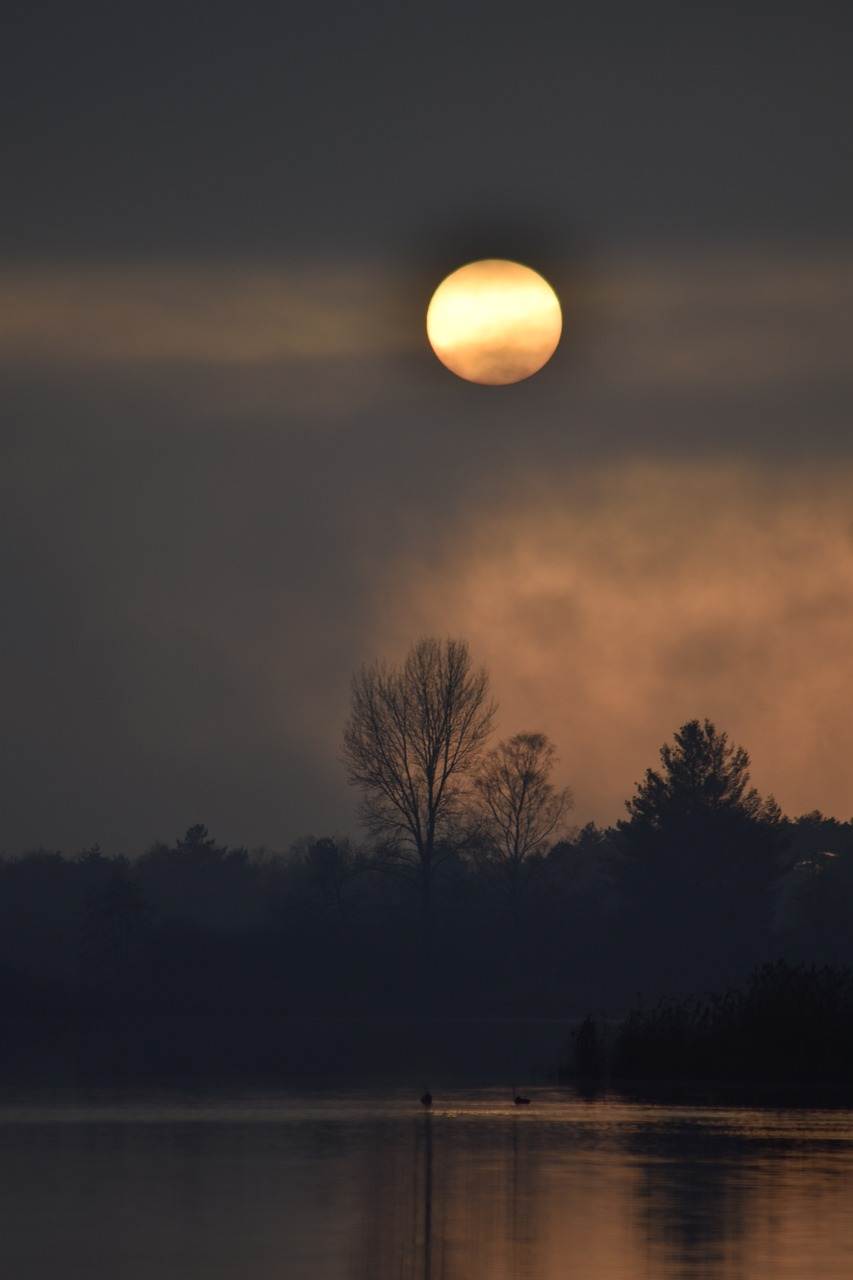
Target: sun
{"type": "Point", "coordinates": [494, 322]}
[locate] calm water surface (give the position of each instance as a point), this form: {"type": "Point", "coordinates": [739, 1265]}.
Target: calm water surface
{"type": "Point", "coordinates": [366, 1185]}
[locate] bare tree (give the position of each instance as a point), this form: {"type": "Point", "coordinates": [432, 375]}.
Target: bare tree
{"type": "Point", "coordinates": [415, 735]}
{"type": "Point", "coordinates": [519, 807]}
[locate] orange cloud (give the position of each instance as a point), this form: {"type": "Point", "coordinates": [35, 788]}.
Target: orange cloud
{"type": "Point", "coordinates": [611, 609]}
{"type": "Point", "coordinates": [237, 315]}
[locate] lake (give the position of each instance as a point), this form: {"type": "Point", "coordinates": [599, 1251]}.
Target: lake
{"type": "Point", "coordinates": [317, 1185]}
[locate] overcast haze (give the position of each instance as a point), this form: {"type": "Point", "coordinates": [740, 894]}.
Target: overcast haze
{"type": "Point", "coordinates": [232, 469]}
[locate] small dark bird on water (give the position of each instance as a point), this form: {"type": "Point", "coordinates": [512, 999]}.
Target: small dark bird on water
{"type": "Point", "coordinates": [426, 1098]}
{"type": "Point", "coordinates": [521, 1102]}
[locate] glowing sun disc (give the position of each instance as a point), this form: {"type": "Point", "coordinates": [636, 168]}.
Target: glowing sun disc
{"type": "Point", "coordinates": [494, 322]}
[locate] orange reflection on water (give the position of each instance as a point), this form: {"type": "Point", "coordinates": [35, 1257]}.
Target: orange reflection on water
{"type": "Point", "coordinates": [366, 1185]}
{"type": "Point", "coordinates": [603, 1190]}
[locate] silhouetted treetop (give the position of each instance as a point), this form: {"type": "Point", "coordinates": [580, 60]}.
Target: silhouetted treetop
{"type": "Point", "coordinates": [702, 775]}
{"type": "Point", "coordinates": [414, 737]}
{"type": "Point", "coordinates": [519, 808]}
{"type": "Point", "coordinates": [414, 734]}
{"type": "Point", "coordinates": [196, 847]}
{"type": "Point", "coordinates": [195, 839]}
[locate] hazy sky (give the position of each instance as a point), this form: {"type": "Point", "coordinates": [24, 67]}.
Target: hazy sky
{"type": "Point", "coordinates": [231, 469]}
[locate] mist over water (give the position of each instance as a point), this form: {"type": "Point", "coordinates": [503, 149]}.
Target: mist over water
{"type": "Point", "coordinates": [367, 1184]}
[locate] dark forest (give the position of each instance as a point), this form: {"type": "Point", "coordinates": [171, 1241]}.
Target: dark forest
{"type": "Point", "coordinates": [703, 881]}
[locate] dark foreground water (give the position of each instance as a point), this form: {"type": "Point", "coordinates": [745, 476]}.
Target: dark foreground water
{"type": "Point", "coordinates": [319, 1186]}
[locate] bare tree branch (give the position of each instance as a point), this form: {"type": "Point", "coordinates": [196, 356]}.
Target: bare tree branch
{"type": "Point", "coordinates": [519, 807]}
{"type": "Point", "coordinates": [414, 736]}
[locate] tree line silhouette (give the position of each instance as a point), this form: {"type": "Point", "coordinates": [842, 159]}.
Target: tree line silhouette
{"type": "Point", "coordinates": [469, 895]}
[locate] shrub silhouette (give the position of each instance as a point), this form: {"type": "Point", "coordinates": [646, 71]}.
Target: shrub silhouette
{"type": "Point", "coordinates": [787, 1023]}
